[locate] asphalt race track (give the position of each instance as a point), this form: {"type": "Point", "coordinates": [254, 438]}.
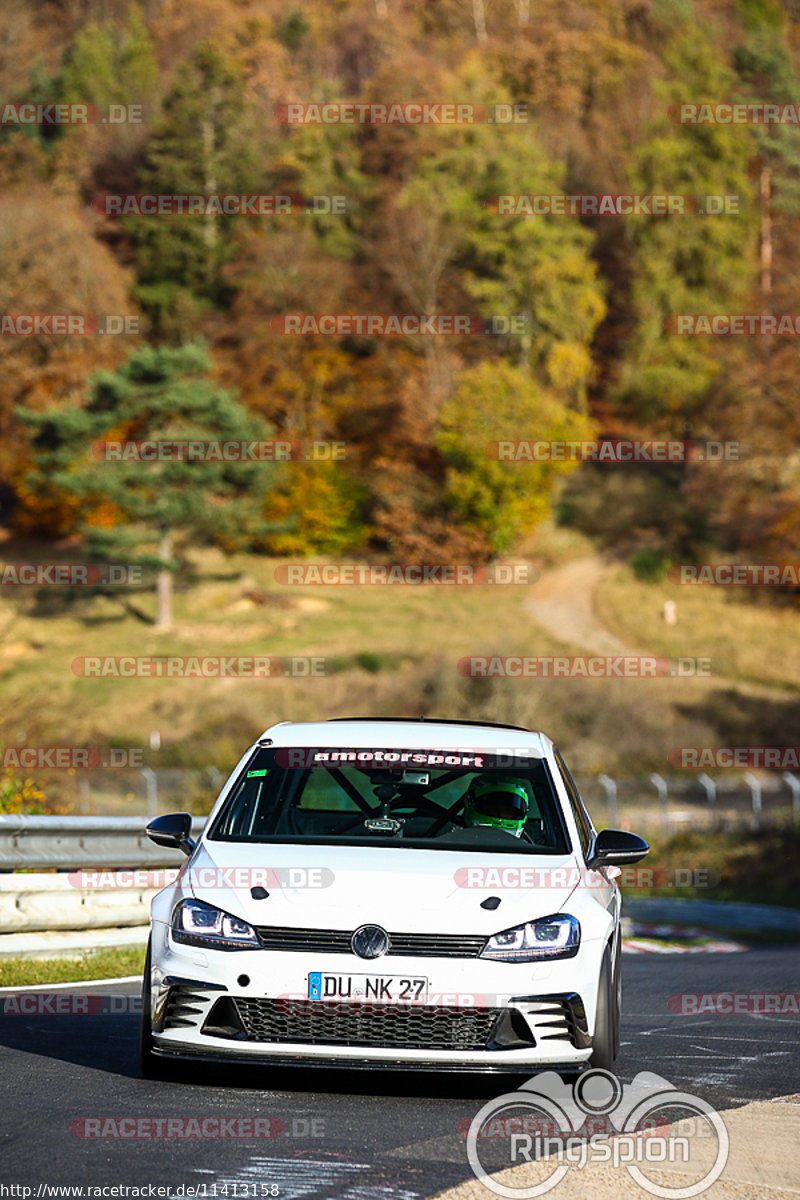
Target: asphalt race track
{"type": "Point", "coordinates": [361, 1135]}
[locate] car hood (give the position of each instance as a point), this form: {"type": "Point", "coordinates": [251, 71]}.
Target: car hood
{"type": "Point", "coordinates": [404, 890]}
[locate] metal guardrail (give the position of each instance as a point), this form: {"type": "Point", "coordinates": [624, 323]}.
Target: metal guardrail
{"type": "Point", "coordinates": [70, 843]}
{"type": "Point", "coordinates": [34, 902]}
{"type": "Point", "coordinates": [78, 874]}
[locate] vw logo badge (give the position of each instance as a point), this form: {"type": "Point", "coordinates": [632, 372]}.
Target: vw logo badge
{"type": "Point", "coordinates": [369, 941]}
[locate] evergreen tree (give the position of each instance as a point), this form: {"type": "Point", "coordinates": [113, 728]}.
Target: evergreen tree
{"type": "Point", "coordinates": [144, 511]}
{"type": "Point", "coordinates": [693, 263]}
{"type": "Point", "coordinates": [206, 143]}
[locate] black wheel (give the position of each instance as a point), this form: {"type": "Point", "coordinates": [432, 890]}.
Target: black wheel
{"type": "Point", "coordinates": [604, 1039]}
{"type": "Point", "coordinates": [149, 1065]}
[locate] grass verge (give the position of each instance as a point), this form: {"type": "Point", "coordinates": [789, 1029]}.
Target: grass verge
{"type": "Point", "coordinates": [96, 964]}
{"type": "Point", "coordinates": [740, 866]}
{"type": "Point", "coordinates": [747, 642]}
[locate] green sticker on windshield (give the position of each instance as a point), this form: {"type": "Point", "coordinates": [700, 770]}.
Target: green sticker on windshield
{"type": "Point", "coordinates": [251, 774]}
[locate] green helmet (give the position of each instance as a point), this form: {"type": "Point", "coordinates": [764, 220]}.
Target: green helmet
{"type": "Point", "coordinates": [501, 802]}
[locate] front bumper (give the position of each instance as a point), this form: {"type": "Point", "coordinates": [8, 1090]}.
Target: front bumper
{"type": "Point", "coordinates": [249, 1006]}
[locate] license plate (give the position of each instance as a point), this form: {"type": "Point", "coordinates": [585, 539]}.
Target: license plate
{"type": "Point", "coordinates": [324, 986]}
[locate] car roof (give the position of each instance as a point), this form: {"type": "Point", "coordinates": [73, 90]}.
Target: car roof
{"type": "Point", "coordinates": [405, 733]}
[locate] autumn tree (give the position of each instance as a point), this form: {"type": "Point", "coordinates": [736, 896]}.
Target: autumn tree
{"type": "Point", "coordinates": [502, 496]}
{"type": "Point", "coordinates": [52, 264]}
{"type": "Point", "coordinates": [537, 270]}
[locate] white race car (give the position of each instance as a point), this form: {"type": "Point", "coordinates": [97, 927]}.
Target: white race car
{"type": "Point", "coordinates": [391, 893]}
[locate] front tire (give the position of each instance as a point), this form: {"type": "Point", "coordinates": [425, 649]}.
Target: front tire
{"type": "Point", "coordinates": [617, 991]}
{"type": "Point", "coordinates": [149, 1065]}
{"type": "Point", "coordinates": [605, 1041]}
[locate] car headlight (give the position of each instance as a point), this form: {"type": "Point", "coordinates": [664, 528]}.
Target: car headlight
{"type": "Point", "coordinates": [549, 937]}
{"type": "Point", "coordinates": [197, 924]}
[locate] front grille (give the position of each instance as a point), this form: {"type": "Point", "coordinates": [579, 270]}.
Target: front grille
{"type": "Point", "coordinates": [337, 941]}
{"type": "Point", "coordinates": [402, 1027]}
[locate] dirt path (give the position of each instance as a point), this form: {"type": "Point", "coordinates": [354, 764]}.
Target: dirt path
{"type": "Point", "coordinates": [562, 602]}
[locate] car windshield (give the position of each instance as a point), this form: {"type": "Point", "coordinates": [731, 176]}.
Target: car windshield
{"type": "Point", "coordinates": [432, 799]}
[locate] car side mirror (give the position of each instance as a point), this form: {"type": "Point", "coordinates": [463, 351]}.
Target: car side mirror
{"type": "Point", "coordinates": [617, 848]}
{"type": "Point", "coordinates": [173, 830]}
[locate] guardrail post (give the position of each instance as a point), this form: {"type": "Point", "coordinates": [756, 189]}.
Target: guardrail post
{"type": "Point", "coordinates": [794, 784]}
{"type": "Point", "coordinates": [755, 788]}
{"type": "Point", "coordinates": [610, 787]}
{"type": "Point", "coordinates": [152, 790]}
{"type": "Point", "coordinates": [660, 785]}
{"type": "Point", "coordinates": [710, 787]}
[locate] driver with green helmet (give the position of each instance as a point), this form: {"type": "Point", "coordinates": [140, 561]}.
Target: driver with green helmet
{"type": "Point", "coordinates": [501, 802]}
